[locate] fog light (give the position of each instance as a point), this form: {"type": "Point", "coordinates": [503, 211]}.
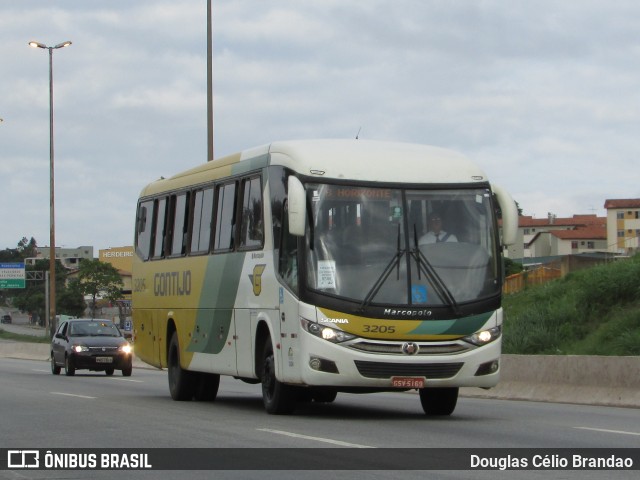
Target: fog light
{"type": "Point", "coordinates": [488, 368]}
{"type": "Point", "coordinates": [315, 363]}
{"type": "Point", "coordinates": [323, 365]}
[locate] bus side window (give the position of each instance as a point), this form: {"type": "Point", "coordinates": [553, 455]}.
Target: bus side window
{"type": "Point", "coordinates": [202, 221]}
{"type": "Point", "coordinates": [143, 229]}
{"type": "Point", "coordinates": [225, 220]}
{"type": "Point", "coordinates": [159, 230]}
{"type": "Point", "coordinates": [288, 261]}
{"type": "Point", "coordinates": [252, 228]}
{"type": "Point", "coordinates": [180, 216]}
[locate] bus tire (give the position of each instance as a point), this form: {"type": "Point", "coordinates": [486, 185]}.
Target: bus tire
{"type": "Point", "coordinates": [182, 383]}
{"type": "Point", "coordinates": [278, 398]}
{"type": "Point", "coordinates": [439, 401]}
{"type": "Point", "coordinates": [324, 395]}
{"type": "Point", "coordinates": [207, 387]}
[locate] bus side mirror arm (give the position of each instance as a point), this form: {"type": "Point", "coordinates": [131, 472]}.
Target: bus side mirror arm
{"type": "Point", "coordinates": [509, 215]}
{"type": "Point", "coordinates": [297, 208]}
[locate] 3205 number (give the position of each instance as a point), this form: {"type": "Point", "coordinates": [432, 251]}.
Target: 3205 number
{"type": "Point", "coordinates": [379, 329]}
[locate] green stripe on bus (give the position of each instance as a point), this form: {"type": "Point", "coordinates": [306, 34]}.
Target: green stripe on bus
{"type": "Point", "coordinates": [460, 326]}
{"type": "Point", "coordinates": [220, 289]}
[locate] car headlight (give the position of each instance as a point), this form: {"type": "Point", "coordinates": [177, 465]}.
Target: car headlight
{"type": "Point", "coordinates": [332, 335]}
{"type": "Point", "coordinates": [80, 348]}
{"type": "Point", "coordinates": [484, 336]}
{"type": "Point", "coordinates": [126, 348]}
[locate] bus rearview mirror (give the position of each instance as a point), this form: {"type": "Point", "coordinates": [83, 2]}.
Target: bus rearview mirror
{"type": "Point", "coordinates": [297, 206]}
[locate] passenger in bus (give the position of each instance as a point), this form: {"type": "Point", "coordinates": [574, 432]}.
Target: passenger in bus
{"type": "Point", "coordinates": [436, 234]}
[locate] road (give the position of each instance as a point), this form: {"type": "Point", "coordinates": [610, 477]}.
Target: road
{"type": "Point", "coordinates": [40, 410]}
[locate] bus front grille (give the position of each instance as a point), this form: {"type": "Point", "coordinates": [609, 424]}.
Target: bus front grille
{"type": "Point", "coordinates": [388, 370]}
{"type": "Point", "coordinates": [396, 348]}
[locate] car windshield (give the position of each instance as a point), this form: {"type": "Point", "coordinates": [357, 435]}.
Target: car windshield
{"type": "Point", "coordinates": [94, 329]}
{"type": "Point", "coordinates": [402, 247]}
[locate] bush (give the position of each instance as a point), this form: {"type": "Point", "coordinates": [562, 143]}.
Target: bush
{"type": "Point", "coordinates": [589, 312]}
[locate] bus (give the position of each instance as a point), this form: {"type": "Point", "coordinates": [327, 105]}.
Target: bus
{"type": "Point", "coordinates": [306, 267]}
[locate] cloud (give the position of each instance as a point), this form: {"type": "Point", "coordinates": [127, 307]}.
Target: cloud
{"type": "Point", "coordinates": [543, 95]}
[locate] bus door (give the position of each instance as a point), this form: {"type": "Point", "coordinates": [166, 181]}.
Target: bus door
{"type": "Point", "coordinates": [290, 354]}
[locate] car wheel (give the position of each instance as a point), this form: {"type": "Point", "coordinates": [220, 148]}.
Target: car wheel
{"type": "Point", "coordinates": [126, 372]}
{"type": "Point", "coordinates": [54, 368]}
{"type": "Point", "coordinates": [109, 371]}
{"type": "Point", "coordinates": [182, 383]}
{"type": "Point", "coordinates": [69, 369]}
{"type": "Point", "coordinates": [278, 398]}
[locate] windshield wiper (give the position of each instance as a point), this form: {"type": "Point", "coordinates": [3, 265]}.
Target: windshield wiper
{"type": "Point", "coordinates": [394, 263]}
{"type": "Point", "coordinates": [430, 272]}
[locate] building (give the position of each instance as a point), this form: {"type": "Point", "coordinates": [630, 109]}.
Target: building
{"type": "Point", "coordinates": [69, 257]}
{"type": "Point", "coordinates": [623, 225]}
{"type": "Point", "coordinates": [531, 243]}
{"type": "Point", "coordinates": [586, 239]}
{"type": "Point", "coordinates": [122, 259]}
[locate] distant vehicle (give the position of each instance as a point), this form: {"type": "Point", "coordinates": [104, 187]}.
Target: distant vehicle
{"type": "Point", "coordinates": [5, 319]}
{"type": "Point", "coordinates": [90, 344]}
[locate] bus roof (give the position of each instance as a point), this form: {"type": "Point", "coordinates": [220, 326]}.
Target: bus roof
{"type": "Point", "coordinates": [363, 160]}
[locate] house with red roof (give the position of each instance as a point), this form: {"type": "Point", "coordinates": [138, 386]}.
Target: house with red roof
{"type": "Point", "coordinates": [535, 239]}
{"type": "Point", "coordinates": [583, 239]}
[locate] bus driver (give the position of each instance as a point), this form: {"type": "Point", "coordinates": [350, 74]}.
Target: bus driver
{"type": "Point", "coordinates": [435, 233]}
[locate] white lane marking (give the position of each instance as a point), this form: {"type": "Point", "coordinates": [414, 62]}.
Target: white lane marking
{"type": "Point", "coordinates": [315, 439]}
{"type": "Point", "coordinates": [45, 371]}
{"type": "Point", "coordinates": [126, 380]}
{"type": "Point", "coordinates": [72, 395]}
{"type": "Point", "coordinates": [621, 432]}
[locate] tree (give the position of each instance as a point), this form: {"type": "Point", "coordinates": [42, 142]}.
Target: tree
{"type": "Point", "coordinates": [96, 278]}
{"type": "Point", "coordinates": [71, 300]}
{"type": "Point", "coordinates": [28, 248]}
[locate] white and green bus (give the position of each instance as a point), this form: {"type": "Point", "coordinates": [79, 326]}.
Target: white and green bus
{"type": "Point", "coordinates": [312, 268]}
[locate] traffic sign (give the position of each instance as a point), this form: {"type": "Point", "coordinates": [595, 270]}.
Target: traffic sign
{"type": "Point", "coordinates": [12, 275]}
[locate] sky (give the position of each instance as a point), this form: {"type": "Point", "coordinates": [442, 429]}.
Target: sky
{"type": "Point", "coordinates": [543, 94]}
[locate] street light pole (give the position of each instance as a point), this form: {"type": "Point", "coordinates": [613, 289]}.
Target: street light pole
{"type": "Point", "coordinates": [51, 320]}
{"type": "Point", "coordinates": [209, 83]}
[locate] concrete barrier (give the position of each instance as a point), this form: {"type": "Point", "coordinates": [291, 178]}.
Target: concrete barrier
{"type": "Point", "coordinates": [587, 380]}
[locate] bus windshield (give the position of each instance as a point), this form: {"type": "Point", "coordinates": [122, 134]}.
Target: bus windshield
{"type": "Point", "coordinates": [392, 246]}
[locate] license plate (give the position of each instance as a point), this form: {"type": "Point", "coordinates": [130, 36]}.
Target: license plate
{"type": "Point", "coordinates": [104, 360]}
{"type": "Point", "coordinates": [407, 382]}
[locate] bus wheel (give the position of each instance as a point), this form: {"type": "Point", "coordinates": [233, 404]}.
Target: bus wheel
{"type": "Point", "coordinates": [438, 401]}
{"type": "Point", "coordinates": [325, 395]}
{"type": "Point", "coordinates": [182, 383]}
{"type": "Point", "coordinates": [207, 387]}
{"type": "Point", "coordinates": [277, 397]}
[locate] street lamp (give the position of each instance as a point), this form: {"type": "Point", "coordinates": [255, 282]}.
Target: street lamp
{"type": "Point", "coordinates": [51, 321]}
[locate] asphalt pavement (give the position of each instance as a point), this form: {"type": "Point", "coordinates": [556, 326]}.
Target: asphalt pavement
{"type": "Point", "coordinates": [588, 380]}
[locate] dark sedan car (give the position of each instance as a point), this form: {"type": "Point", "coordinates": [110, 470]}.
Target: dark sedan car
{"type": "Point", "coordinates": [90, 344]}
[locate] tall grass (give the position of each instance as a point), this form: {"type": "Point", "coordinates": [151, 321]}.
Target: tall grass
{"type": "Point", "coordinates": [589, 312]}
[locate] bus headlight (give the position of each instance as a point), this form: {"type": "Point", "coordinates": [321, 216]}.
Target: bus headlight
{"type": "Point", "coordinates": [332, 335]}
{"type": "Point", "coordinates": [484, 336]}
